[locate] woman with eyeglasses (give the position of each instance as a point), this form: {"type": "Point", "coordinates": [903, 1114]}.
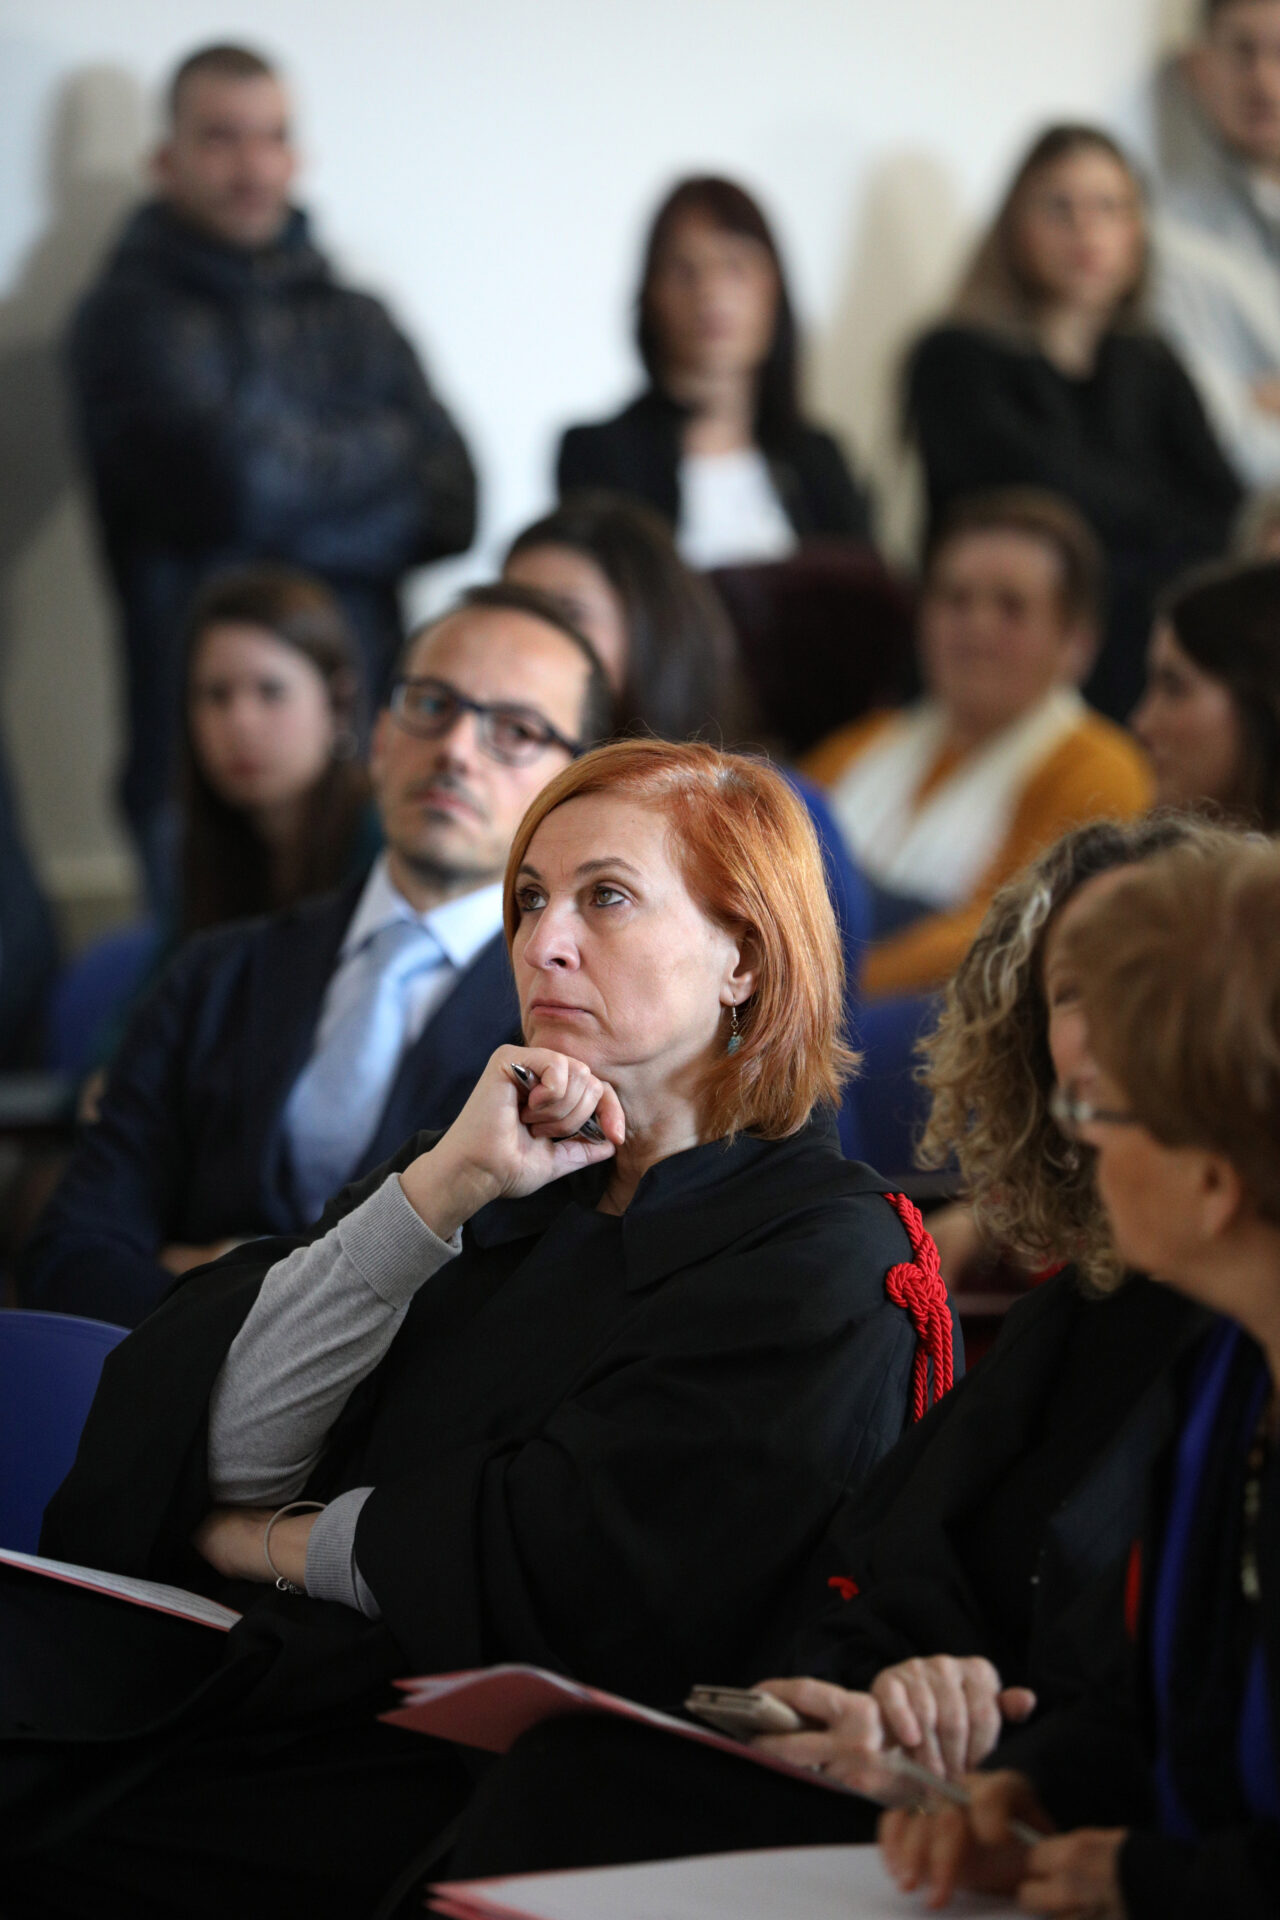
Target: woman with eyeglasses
{"type": "Point", "coordinates": [1161, 1787]}
{"type": "Point", "coordinates": [577, 1381]}
{"type": "Point", "coordinates": [1047, 373]}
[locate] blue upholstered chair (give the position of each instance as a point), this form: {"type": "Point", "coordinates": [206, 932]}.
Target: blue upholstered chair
{"type": "Point", "coordinates": [49, 1368]}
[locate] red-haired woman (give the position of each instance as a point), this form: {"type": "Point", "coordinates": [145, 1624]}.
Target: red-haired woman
{"type": "Point", "coordinates": [585, 1402]}
{"type": "Point", "coordinates": [717, 443]}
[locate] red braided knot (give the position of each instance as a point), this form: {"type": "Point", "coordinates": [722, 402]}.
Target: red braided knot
{"type": "Point", "coordinates": [918, 1286]}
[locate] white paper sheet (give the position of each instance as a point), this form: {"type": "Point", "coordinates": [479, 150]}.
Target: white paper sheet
{"type": "Point", "coordinates": [140, 1593]}
{"type": "Point", "coordinates": [792, 1883]}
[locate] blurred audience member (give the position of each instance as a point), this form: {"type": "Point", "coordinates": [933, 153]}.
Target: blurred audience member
{"type": "Point", "coordinates": [237, 404]}
{"type": "Point", "coordinates": [661, 633]}
{"type": "Point", "coordinates": [1258, 528]}
{"type": "Point", "coordinates": [1046, 375]}
{"type": "Point", "coordinates": [275, 801]}
{"type": "Point", "coordinates": [667, 646]}
{"type": "Point", "coordinates": [1160, 1785]}
{"type": "Point", "coordinates": [280, 1058]}
{"type": "Point", "coordinates": [717, 442]}
{"type": "Point", "coordinates": [943, 801]}
{"type": "Point", "coordinates": [1210, 716]}
{"type": "Point", "coordinates": [28, 942]}
{"type": "Point", "coordinates": [1218, 238]}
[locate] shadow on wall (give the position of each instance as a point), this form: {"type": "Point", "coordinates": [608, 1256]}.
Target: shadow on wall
{"type": "Point", "coordinates": [56, 647]}
{"type": "Point", "coordinates": [908, 235]}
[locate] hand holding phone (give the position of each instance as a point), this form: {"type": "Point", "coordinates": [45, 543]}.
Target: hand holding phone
{"type": "Point", "coordinates": [742, 1712]}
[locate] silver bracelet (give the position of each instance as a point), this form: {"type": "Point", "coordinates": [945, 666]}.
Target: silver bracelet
{"type": "Point", "coordinates": [294, 1506]}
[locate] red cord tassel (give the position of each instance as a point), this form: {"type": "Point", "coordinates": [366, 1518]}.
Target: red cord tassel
{"type": "Point", "coordinates": [918, 1286]}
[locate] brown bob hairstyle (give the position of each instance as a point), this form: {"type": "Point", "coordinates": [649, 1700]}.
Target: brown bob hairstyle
{"type": "Point", "coordinates": [1177, 975]}
{"type": "Point", "coordinates": [1036, 514]}
{"type": "Point", "coordinates": [1179, 982]}
{"type": "Point", "coordinates": [751, 860]}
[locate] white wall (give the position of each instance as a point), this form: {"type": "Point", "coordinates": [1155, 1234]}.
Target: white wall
{"type": "Point", "coordinates": [489, 166]}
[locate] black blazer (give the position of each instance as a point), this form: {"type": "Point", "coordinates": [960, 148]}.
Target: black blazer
{"type": "Point", "coordinates": [191, 1145]}
{"type": "Point", "coordinates": [993, 1517]}
{"type": "Point", "coordinates": [638, 453]}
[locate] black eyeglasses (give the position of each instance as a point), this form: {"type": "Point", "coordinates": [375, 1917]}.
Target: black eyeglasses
{"type": "Point", "coordinates": [514, 735]}
{"type": "Point", "coordinates": [1072, 1113]}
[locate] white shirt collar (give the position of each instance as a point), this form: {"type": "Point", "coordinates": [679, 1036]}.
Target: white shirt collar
{"type": "Point", "coordinates": [461, 926]}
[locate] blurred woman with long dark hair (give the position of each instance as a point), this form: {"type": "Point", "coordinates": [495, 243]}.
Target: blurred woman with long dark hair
{"type": "Point", "coordinates": [717, 442]}
{"type": "Point", "coordinates": [275, 803]}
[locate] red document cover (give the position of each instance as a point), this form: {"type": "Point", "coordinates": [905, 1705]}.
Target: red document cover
{"type": "Point", "coordinates": [490, 1707]}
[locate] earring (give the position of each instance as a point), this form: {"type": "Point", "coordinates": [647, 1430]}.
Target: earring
{"type": "Point", "coordinates": [735, 1038]}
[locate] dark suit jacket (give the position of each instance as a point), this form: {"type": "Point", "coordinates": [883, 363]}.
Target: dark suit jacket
{"type": "Point", "coordinates": [638, 453]}
{"type": "Point", "coordinates": [191, 1146]}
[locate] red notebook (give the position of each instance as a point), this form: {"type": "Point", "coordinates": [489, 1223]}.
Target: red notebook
{"type": "Point", "coordinates": [490, 1707]}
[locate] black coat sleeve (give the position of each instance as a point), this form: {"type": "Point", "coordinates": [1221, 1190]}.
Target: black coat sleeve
{"type": "Point", "coordinates": [681, 1483]}
{"type": "Point", "coordinates": [1233, 1876]}
{"type": "Point", "coordinates": [201, 435]}
{"type": "Point", "coordinates": [96, 1248]}
{"type": "Point", "coordinates": [581, 462]}
{"type": "Point", "coordinates": [833, 502]}
{"type": "Point", "coordinates": [139, 1485]}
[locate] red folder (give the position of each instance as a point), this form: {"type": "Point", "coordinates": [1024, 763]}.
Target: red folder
{"type": "Point", "coordinates": [490, 1707]}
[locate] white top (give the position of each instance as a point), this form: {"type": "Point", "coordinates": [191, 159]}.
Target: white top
{"type": "Point", "coordinates": [730, 513]}
{"type": "Point", "coordinates": [937, 849]}
{"type": "Point", "coordinates": [461, 926]}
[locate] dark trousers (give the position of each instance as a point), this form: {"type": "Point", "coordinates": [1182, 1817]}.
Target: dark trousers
{"type": "Point", "coordinates": [135, 1783]}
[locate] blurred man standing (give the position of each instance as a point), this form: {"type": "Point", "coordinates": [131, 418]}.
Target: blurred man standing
{"type": "Point", "coordinates": [236, 404]}
{"type": "Point", "coordinates": [1218, 236]}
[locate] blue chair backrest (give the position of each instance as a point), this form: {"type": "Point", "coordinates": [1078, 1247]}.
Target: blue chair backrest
{"type": "Point", "coordinates": [49, 1368]}
{"type": "Point", "coordinates": [93, 991]}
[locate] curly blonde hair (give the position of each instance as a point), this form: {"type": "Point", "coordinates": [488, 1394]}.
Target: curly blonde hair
{"type": "Point", "coordinates": [987, 1064]}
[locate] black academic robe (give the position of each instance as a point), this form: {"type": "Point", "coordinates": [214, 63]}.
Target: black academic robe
{"type": "Point", "coordinates": [600, 1444]}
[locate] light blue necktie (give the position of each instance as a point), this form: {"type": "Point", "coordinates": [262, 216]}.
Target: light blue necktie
{"type": "Point", "coordinates": [337, 1103]}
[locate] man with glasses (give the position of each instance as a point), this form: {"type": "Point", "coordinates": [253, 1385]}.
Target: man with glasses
{"type": "Point", "coordinates": [281, 1058]}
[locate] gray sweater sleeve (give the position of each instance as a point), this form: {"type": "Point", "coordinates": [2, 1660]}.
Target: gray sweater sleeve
{"type": "Point", "coordinates": [323, 1320]}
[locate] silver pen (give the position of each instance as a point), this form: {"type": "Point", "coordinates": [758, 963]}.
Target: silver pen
{"type": "Point", "coordinates": [525, 1077]}
{"type": "Point", "coordinates": [894, 1761]}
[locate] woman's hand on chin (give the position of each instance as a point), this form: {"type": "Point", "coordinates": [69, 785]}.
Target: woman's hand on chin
{"type": "Point", "coordinates": [506, 1142]}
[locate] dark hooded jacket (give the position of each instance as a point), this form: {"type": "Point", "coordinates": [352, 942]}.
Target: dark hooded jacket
{"type": "Point", "coordinates": [239, 405]}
